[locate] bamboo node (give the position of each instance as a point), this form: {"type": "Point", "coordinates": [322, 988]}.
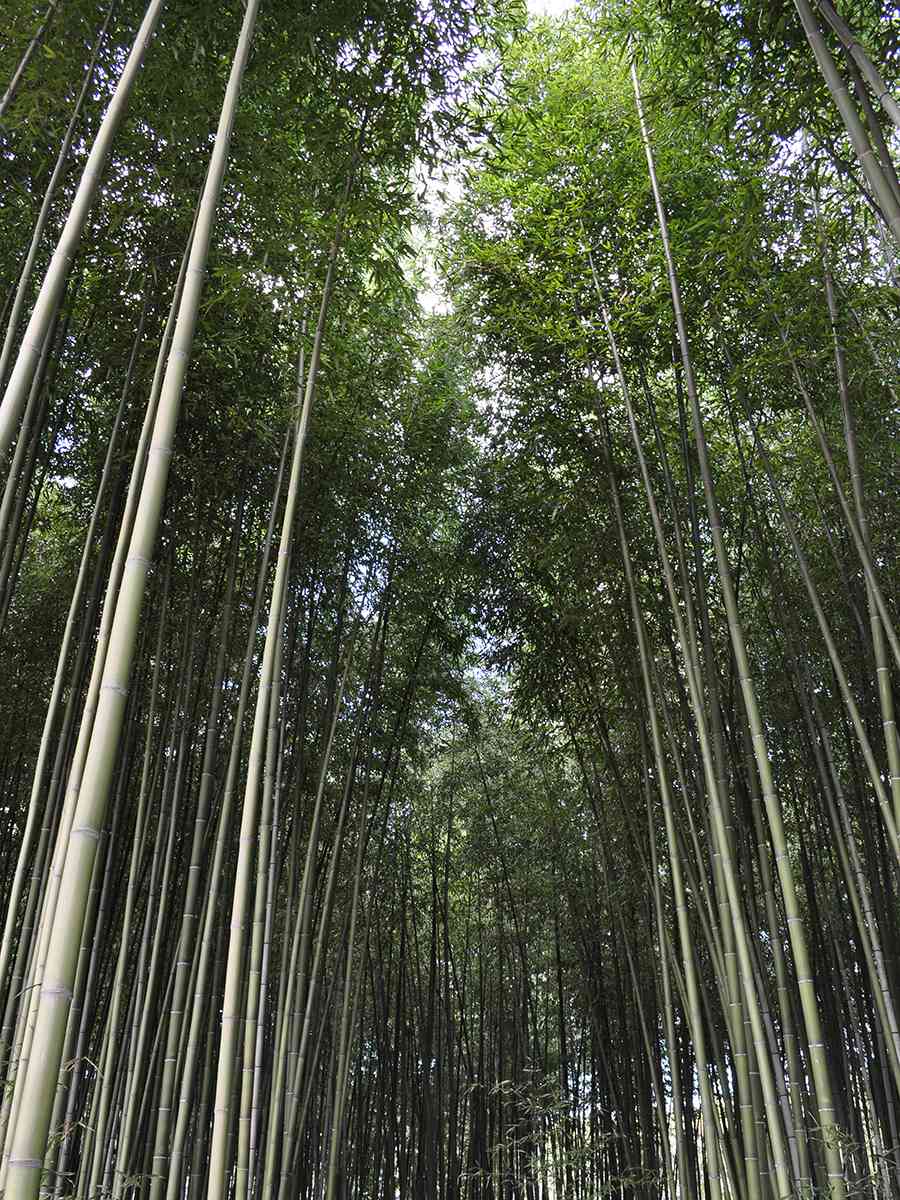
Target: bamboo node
{"type": "Point", "coordinates": [51, 990]}
{"type": "Point", "coordinates": [87, 831]}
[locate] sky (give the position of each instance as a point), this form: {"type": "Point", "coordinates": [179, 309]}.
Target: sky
{"type": "Point", "coordinates": [549, 7]}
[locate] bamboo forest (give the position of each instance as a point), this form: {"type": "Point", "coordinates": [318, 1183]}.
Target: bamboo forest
{"type": "Point", "coordinates": [448, 652]}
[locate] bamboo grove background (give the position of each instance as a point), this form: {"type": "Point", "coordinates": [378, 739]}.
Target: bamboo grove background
{"type": "Point", "coordinates": [449, 749]}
